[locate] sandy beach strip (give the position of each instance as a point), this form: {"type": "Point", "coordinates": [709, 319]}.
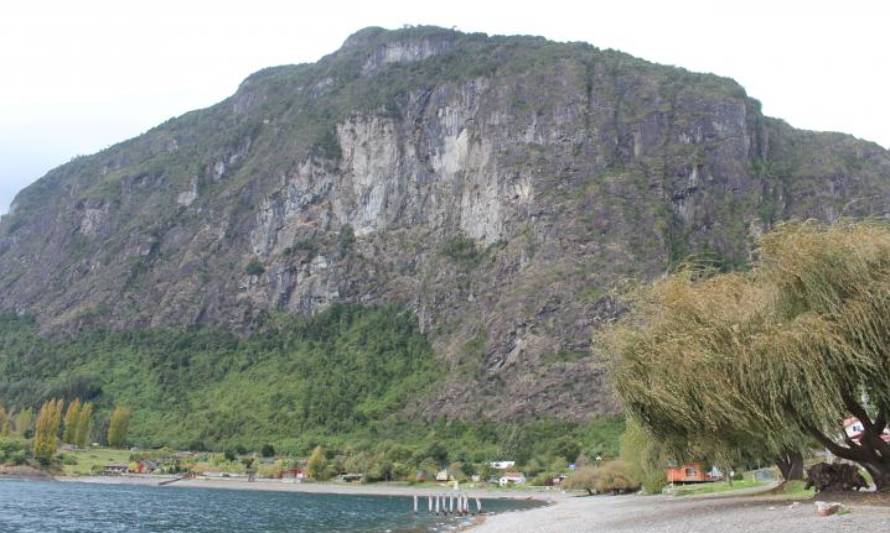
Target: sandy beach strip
{"type": "Point", "coordinates": [373, 489]}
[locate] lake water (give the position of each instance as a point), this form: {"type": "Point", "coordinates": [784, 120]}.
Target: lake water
{"type": "Point", "coordinates": [45, 506]}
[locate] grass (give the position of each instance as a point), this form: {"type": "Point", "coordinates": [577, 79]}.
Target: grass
{"type": "Point", "coordinates": [717, 486]}
{"type": "Point", "coordinates": [791, 490]}
{"type": "Point", "coordinates": [90, 457]}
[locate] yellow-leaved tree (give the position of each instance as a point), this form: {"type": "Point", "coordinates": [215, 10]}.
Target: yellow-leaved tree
{"type": "Point", "coordinates": [23, 421]}
{"type": "Point", "coordinates": [72, 417]}
{"type": "Point", "coordinates": [315, 466]}
{"type": "Point", "coordinates": [46, 431]}
{"type": "Point", "coordinates": [84, 425]}
{"type": "Point", "coordinates": [118, 427]}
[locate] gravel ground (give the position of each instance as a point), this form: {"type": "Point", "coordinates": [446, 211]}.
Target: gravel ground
{"type": "Point", "coordinates": [664, 514]}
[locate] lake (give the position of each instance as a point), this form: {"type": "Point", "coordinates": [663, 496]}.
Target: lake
{"type": "Point", "coordinates": [43, 506]}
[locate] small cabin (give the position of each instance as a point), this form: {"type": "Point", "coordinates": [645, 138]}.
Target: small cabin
{"type": "Point", "coordinates": [687, 473]}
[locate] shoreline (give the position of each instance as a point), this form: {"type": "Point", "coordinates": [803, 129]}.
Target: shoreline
{"type": "Point", "coordinates": [275, 485]}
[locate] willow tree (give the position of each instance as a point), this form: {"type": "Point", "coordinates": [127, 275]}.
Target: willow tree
{"type": "Point", "coordinates": [766, 359]}
{"type": "Point", "coordinates": [680, 350]}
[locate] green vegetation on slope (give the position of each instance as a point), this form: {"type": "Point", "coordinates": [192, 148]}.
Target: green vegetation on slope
{"type": "Point", "coordinates": [332, 373]}
{"type": "Point", "coordinates": [348, 378]}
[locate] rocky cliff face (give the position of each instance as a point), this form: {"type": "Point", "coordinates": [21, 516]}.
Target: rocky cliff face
{"type": "Point", "coordinates": [500, 187]}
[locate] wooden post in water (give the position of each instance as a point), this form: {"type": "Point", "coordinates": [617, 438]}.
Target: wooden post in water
{"type": "Point", "coordinates": [451, 503]}
{"type": "Point", "coordinates": [429, 502]}
{"type": "Point", "coordinates": [478, 505]}
{"type": "Point", "coordinates": [437, 504]}
{"type": "Point", "coordinates": [415, 504]}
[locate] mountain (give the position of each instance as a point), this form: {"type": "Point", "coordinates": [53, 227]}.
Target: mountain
{"type": "Point", "coordinates": [500, 188]}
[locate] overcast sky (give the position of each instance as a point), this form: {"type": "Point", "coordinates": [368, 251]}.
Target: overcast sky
{"type": "Point", "coordinates": [76, 77]}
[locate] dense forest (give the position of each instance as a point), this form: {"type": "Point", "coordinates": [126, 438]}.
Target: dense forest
{"type": "Point", "coordinates": [349, 377]}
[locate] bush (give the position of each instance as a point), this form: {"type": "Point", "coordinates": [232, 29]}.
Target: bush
{"type": "Point", "coordinates": [461, 248]}
{"type": "Point", "coordinates": [267, 450]}
{"type": "Point", "coordinates": [19, 457]}
{"type": "Point", "coordinates": [12, 448]}
{"type": "Point", "coordinates": [273, 470]}
{"type": "Point", "coordinates": [611, 477]}
{"type": "Point", "coordinates": [542, 480]}
{"type": "Point", "coordinates": [255, 267]}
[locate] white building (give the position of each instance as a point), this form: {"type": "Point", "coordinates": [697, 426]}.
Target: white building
{"type": "Point", "coordinates": [511, 478]}
{"type": "Point", "coordinates": [503, 465]}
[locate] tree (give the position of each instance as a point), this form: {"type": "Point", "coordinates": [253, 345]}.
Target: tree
{"type": "Point", "coordinates": [72, 418]}
{"type": "Point", "coordinates": [644, 457]}
{"type": "Point", "coordinates": [760, 362]}
{"type": "Point", "coordinates": [23, 421]}
{"type": "Point", "coordinates": [47, 429]}
{"type": "Point", "coordinates": [118, 426]}
{"type": "Point", "coordinates": [4, 421]}
{"type": "Point", "coordinates": [84, 425]}
{"type": "Point", "coordinates": [317, 462]}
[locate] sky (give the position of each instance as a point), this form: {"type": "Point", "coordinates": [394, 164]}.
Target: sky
{"type": "Point", "coordinates": [76, 77]}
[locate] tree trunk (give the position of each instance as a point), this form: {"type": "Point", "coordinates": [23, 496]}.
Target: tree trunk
{"type": "Point", "coordinates": [880, 474]}
{"type": "Point", "coordinates": [790, 465]}
{"type": "Point", "coordinates": [870, 451]}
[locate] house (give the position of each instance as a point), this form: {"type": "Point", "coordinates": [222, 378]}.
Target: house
{"type": "Point", "coordinates": [511, 478]}
{"type": "Point", "coordinates": [352, 478]}
{"type": "Point", "coordinates": [853, 430]}
{"type": "Point", "coordinates": [502, 465]}
{"type": "Point", "coordinates": [115, 470]}
{"type": "Point", "coordinates": [442, 475]}
{"type": "Point", "coordinates": [688, 473]}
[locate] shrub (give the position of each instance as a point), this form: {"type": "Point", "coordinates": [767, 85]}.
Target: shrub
{"type": "Point", "coordinates": [346, 239]}
{"type": "Point", "coordinates": [460, 248]}
{"type": "Point", "coordinates": [255, 267]}
{"type": "Point", "coordinates": [10, 448]}
{"type": "Point", "coordinates": [273, 470]}
{"type": "Point", "coordinates": [610, 477]}
{"type": "Point", "coordinates": [68, 459]}
{"type": "Point", "coordinates": [267, 450]}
